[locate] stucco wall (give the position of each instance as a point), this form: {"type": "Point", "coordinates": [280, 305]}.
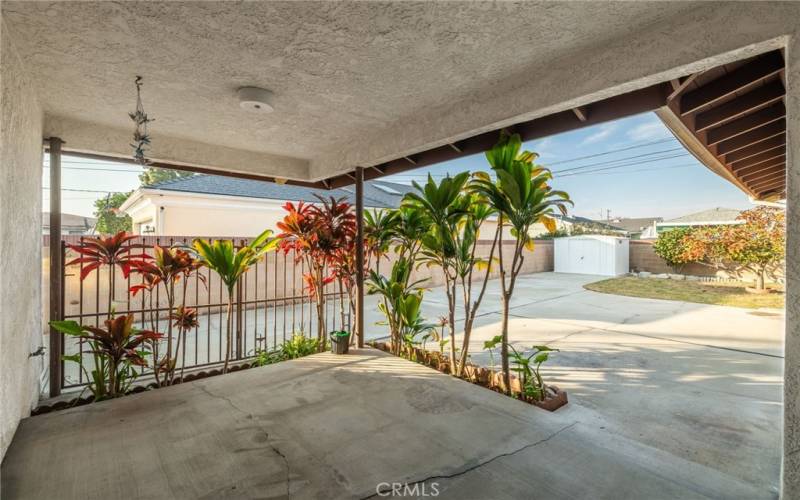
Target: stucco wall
{"type": "Point", "coordinates": [791, 395]}
{"type": "Point", "coordinates": [20, 241]}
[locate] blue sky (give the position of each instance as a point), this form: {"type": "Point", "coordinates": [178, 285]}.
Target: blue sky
{"type": "Point", "coordinates": [652, 176]}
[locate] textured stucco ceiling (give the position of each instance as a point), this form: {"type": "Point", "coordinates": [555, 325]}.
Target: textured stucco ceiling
{"type": "Point", "coordinates": [340, 71]}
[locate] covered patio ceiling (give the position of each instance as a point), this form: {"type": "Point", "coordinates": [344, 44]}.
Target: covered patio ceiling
{"type": "Point", "coordinates": [733, 118]}
{"type": "Point", "coordinates": [354, 85]}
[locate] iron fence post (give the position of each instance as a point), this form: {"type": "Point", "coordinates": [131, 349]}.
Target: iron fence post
{"type": "Point", "coordinates": [360, 255]}
{"type": "Point", "coordinates": [56, 265]}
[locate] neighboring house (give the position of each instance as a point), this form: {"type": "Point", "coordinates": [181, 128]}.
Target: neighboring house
{"type": "Point", "coordinates": [715, 217]}
{"type": "Point", "coordinates": [70, 224]}
{"type": "Point", "coordinates": [636, 227]}
{"type": "Point", "coordinates": [211, 205]}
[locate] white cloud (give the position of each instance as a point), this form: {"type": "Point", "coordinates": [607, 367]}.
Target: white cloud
{"type": "Point", "coordinates": [647, 131]}
{"type": "Point", "coordinates": [544, 148]}
{"type": "Point", "coordinates": [604, 132]}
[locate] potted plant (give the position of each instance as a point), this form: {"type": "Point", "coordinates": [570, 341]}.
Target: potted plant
{"type": "Point", "coordinates": [340, 342]}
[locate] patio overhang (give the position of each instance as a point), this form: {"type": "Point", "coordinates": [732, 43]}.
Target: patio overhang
{"type": "Point", "coordinates": [733, 119]}
{"type": "Point", "coordinates": [414, 106]}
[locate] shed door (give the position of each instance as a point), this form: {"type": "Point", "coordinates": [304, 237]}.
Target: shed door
{"type": "Point", "coordinates": [586, 256]}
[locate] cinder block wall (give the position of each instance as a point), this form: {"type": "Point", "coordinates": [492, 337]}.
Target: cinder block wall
{"type": "Point", "coordinates": [644, 258]}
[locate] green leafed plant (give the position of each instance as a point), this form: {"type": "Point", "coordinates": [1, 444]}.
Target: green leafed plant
{"type": "Point", "coordinates": [394, 291]}
{"type": "Point", "coordinates": [490, 346]}
{"type": "Point", "coordinates": [522, 197]}
{"type": "Point", "coordinates": [167, 268]}
{"type": "Point", "coordinates": [528, 367]}
{"type": "Point", "coordinates": [439, 244]}
{"type": "Point", "coordinates": [118, 346]}
{"type": "Point", "coordinates": [231, 263]}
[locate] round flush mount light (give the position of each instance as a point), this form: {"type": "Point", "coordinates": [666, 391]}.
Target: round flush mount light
{"type": "Point", "coordinates": [255, 100]}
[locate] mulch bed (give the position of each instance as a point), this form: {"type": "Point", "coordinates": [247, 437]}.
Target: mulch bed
{"type": "Point", "coordinates": [484, 377]}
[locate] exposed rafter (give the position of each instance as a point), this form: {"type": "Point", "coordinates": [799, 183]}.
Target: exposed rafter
{"type": "Point", "coordinates": [736, 118]}
{"type": "Point", "coordinates": [739, 79]}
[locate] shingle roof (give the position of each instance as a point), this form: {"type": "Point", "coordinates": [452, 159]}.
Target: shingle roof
{"type": "Point", "coordinates": [377, 194]}
{"type": "Point", "coordinates": [70, 221]}
{"type": "Point", "coordinates": [718, 214]}
{"type": "Point", "coordinates": [633, 224]}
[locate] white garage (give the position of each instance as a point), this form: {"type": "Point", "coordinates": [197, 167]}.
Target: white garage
{"type": "Point", "coordinates": [591, 254]}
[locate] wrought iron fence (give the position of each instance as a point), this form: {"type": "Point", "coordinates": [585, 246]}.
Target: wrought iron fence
{"type": "Point", "coordinates": [269, 306]}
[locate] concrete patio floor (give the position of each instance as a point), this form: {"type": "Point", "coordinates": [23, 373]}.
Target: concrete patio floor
{"type": "Point", "coordinates": [330, 426]}
{"type": "Point", "coordinates": [701, 382]}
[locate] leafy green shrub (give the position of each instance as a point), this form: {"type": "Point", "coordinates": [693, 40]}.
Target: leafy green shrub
{"type": "Point", "coordinates": [299, 346]}
{"type": "Point", "coordinates": [672, 247]}
{"type": "Point", "coordinates": [533, 386]}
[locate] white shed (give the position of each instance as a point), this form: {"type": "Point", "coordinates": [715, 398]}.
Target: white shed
{"type": "Point", "coordinates": [591, 254]}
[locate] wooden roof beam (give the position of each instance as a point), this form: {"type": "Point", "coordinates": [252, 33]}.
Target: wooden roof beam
{"type": "Point", "coordinates": [762, 67]}
{"type": "Point", "coordinates": [760, 158]}
{"type": "Point", "coordinates": [679, 85]}
{"type": "Point", "coordinates": [746, 124]}
{"type": "Point", "coordinates": [740, 106]}
{"type": "Point", "coordinates": [773, 194]}
{"type": "Point", "coordinates": [772, 172]}
{"type": "Point", "coordinates": [768, 181]}
{"type": "Point", "coordinates": [760, 167]}
{"type": "Point", "coordinates": [768, 131]}
{"type": "Point", "coordinates": [757, 148]}
{"type": "Point", "coordinates": [764, 172]}
{"type": "Point", "coordinates": [777, 183]}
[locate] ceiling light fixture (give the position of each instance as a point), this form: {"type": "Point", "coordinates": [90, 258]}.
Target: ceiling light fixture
{"type": "Point", "coordinates": [255, 100]}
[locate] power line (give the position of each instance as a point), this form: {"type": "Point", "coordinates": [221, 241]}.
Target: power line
{"type": "Point", "coordinates": [629, 164]}
{"type": "Point", "coordinates": [99, 169]}
{"type": "Point", "coordinates": [611, 151]}
{"type": "Point", "coordinates": [609, 162]}
{"type": "Point", "coordinates": [652, 169]}
{"type": "Point", "coordinates": [88, 190]}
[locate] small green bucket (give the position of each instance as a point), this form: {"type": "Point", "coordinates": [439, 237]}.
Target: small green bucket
{"type": "Point", "coordinates": [340, 342]}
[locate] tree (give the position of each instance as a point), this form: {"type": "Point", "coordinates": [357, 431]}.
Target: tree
{"type": "Point", "coordinates": [109, 219]}
{"type": "Point", "coordinates": [758, 244]}
{"type": "Point", "coordinates": [323, 236]}
{"type": "Point", "coordinates": [153, 175]}
{"type": "Point", "coordinates": [522, 196]}
{"type": "Point", "coordinates": [442, 206]}
{"type": "Point", "coordinates": [673, 247]}
{"type": "Point", "coordinates": [230, 264]}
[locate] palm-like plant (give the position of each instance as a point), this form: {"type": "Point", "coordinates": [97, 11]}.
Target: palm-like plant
{"type": "Point", "coordinates": [167, 267]}
{"type": "Point", "coordinates": [394, 290]}
{"type": "Point", "coordinates": [118, 344]}
{"type": "Point", "coordinates": [522, 197]}
{"type": "Point", "coordinates": [231, 263]}
{"type": "Point", "coordinates": [440, 204]}
{"type": "Point", "coordinates": [379, 227]}
{"type": "Point", "coordinates": [477, 211]}
{"type": "Point", "coordinates": [411, 322]}
{"type": "Point", "coordinates": [451, 243]}
{"type": "Point", "coordinates": [112, 251]}
{"type": "Point", "coordinates": [321, 236]}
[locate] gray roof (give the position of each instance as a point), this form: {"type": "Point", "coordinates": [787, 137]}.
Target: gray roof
{"type": "Point", "coordinates": [586, 222]}
{"type": "Point", "coordinates": [633, 224]}
{"type": "Point", "coordinates": [70, 221]}
{"type": "Point", "coordinates": [377, 194]}
{"type": "Point", "coordinates": [718, 214]}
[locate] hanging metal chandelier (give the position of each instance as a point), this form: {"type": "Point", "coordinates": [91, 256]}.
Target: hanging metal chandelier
{"type": "Point", "coordinates": [141, 139]}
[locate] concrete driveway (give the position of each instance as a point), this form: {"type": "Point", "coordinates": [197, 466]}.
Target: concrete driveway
{"type": "Point", "coordinates": [701, 382]}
